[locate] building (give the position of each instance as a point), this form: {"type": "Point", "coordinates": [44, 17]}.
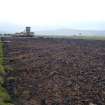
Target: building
{"type": "Point", "coordinates": [26, 33]}
{"type": "Point", "coordinates": [28, 30]}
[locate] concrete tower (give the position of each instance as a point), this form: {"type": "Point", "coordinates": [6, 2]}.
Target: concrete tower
{"type": "Point", "coordinates": [28, 30]}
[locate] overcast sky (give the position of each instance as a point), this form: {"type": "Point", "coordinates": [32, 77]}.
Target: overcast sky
{"type": "Point", "coordinates": [87, 14]}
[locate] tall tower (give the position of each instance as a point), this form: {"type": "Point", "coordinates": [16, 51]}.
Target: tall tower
{"type": "Point", "coordinates": [28, 31]}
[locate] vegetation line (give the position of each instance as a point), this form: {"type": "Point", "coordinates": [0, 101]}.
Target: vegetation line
{"type": "Point", "coordinates": [4, 97]}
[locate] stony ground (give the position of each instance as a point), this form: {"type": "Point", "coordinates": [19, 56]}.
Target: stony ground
{"type": "Point", "coordinates": [55, 71]}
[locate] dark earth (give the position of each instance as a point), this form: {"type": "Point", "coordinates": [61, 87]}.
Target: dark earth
{"type": "Point", "coordinates": [48, 71]}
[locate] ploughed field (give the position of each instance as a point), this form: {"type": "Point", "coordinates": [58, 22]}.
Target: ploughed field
{"type": "Point", "coordinates": [55, 71]}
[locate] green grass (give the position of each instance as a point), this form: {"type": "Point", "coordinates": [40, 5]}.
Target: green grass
{"type": "Point", "coordinates": [93, 37]}
{"type": "Point", "coordinates": [85, 37]}
{"type": "Point", "coordinates": [4, 97]}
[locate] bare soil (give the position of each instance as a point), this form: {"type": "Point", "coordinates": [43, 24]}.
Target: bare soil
{"type": "Point", "coordinates": [55, 71]}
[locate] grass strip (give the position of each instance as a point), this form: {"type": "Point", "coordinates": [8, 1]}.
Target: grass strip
{"type": "Point", "coordinates": [4, 97]}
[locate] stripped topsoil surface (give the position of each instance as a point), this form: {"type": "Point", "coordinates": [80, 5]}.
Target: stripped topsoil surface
{"type": "Point", "coordinates": [55, 71]}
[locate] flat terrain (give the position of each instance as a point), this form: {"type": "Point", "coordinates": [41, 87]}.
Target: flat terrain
{"type": "Point", "coordinates": [56, 71]}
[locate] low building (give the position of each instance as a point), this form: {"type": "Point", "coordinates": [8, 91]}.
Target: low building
{"type": "Point", "coordinates": [27, 33]}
